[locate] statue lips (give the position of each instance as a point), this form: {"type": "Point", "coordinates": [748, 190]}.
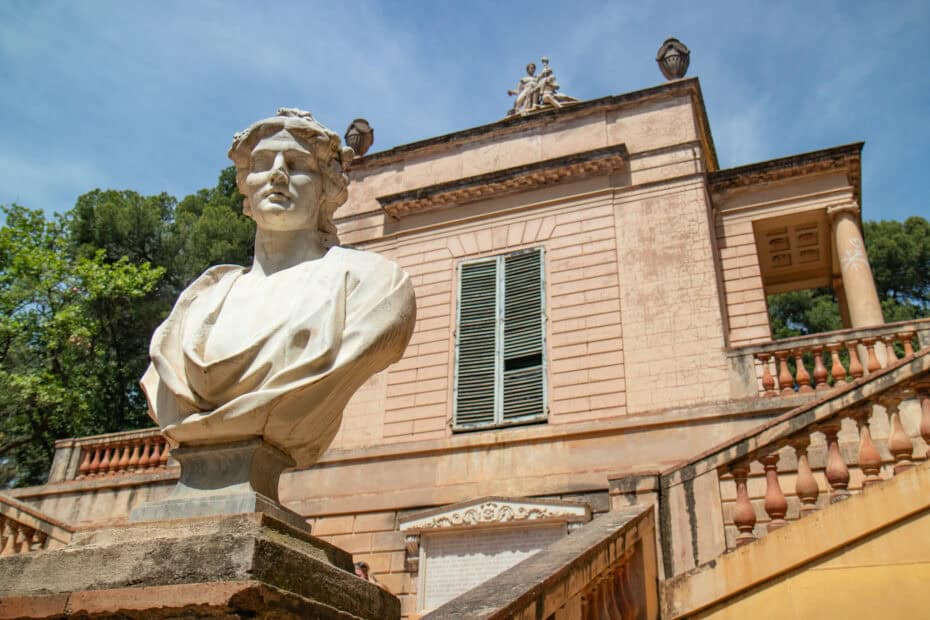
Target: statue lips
{"type": "Point", "coordinates": [277, 195]}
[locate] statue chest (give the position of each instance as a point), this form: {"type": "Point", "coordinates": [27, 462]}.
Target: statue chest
{"type": "Point", "coordinates": [267, 314]}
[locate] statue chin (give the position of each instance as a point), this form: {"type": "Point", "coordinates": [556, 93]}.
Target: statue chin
{"type": "Point", "coordinates": [349, 316]}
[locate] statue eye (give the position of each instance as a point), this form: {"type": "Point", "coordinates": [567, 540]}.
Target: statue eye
{"type": "Point", "coordinates": [261, 162]}
{"type": "Point", "coordinates": [301, 162]}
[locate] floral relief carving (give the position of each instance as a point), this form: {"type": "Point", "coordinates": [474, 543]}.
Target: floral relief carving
{"type": "Point", "coordinates": [490, 512]}
{"type": "Point", "coordinates": [854, 256]}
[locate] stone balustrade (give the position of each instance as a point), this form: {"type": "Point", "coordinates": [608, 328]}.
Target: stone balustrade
{"type": "Point", "coordinates": [784, 470]}
{"type": "Point", "coordinates": [839, 443]}
{"type": "Point", "coordinates": [24, 529]}
{"type": "Point", "coordinates": [809, 364]}
{"type": "Point", "coordinates": [106, 456]}
{"type": "Point", "coordinates": [115, 457]}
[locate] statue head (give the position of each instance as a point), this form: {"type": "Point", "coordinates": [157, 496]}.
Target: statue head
{"type": "Point", "coordinates": [531, 69]}
{"type": "Point", "coordinates": [323, 164]}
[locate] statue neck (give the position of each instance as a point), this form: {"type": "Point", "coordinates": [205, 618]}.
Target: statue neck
{"type": "Point", "coordinates": [276, 250]}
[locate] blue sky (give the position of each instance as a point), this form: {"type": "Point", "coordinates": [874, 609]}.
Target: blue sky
{"type": "Point", "coordinates": [147, 95]}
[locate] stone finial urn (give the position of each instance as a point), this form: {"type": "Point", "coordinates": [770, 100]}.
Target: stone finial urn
{"type": "Point", "coordinates": [360, 136]}
{"type": "Point", "coordinates": [673, 58]}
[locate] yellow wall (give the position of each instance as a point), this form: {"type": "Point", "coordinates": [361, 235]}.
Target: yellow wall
{"type": "Point", "coordinates": [886, 575]}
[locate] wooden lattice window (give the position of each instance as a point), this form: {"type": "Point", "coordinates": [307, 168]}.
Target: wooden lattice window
{"type": "Point", "coordinates": [500, 365]}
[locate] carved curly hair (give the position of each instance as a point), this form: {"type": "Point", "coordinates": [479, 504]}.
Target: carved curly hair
{"type": "Point", "coordinates": [324, 144]}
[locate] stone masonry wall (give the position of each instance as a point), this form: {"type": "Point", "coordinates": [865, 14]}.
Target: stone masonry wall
{"type": "Point", "coordinates": [742, 283]}
{"type": "Point", "coordinates": [672, 320]}
{"type": "Point", "coordinates": [585, 346]}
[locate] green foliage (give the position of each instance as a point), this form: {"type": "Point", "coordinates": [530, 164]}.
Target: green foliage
{"type": "Point", "coordinates": [899, 254]}
{"type": "Point", "coordinates": [80, 295]}
{"type": "Point", "coordinates": [803, 312]}
{"type": "Point", "coordinates": [60, 372]}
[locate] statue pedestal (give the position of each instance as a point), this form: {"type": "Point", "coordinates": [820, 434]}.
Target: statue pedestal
{"type": "Point", "coordinates": [238, 566]}
{"type": "Point", "coordinates": [223, 479]}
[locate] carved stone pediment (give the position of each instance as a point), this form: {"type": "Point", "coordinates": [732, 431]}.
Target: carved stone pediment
{"type": "Point", "coordinates": [495, 511]}
{"type": "Point", "coordinates": [488, 525]}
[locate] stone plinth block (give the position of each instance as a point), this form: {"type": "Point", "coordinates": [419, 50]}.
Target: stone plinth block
{"type": "Point", "coordinates": [238, 566]}
{"type": "Point", "coordinates": [228, 478]}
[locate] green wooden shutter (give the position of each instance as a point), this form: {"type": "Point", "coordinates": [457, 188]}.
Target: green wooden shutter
{"type": "Point", "coordinates": [476, 354]}
{"type": "Point", "coordinates": [523, 369]}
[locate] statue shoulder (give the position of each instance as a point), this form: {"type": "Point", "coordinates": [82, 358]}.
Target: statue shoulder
{"type": "Point", "coordinates": [209, 278]}
{"type": "Point", "coordinates": [363, 264]}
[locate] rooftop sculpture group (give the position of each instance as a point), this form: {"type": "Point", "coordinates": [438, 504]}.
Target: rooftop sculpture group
{"type": "Point", "coordinates": [535, 92]}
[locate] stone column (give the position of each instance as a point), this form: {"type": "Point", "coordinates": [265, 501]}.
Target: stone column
{"type": "Point", "coordinates": [858, 283]}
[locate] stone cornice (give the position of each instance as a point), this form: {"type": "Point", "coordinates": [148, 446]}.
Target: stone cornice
{"type": "Point", "coordinates": [690, 87]}
{"type": "Point", "coordinates": [846, 159]}
{"type": "Point", "coordinates": [501, 182]}
{"type": "Point", "coordinates": [495, 511]}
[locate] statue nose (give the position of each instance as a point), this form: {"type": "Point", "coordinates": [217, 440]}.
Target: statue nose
{"type": "Point", "coordinates": [278, 175]}
{"type": "Point", "coordinates": [279, 169]}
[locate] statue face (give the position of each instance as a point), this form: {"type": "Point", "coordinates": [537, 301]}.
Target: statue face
{"type": "Point", "coordinates": [284, 185]}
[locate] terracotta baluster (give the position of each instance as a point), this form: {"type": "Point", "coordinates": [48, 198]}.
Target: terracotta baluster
{"type": "Point", "coordinates": [26, 539]}
{"type": "Point", "coordinates": [604, 587]}
{"type": "Point", "coordinates": [923, 395]}
{"type": "Point", "coordinates": [874, 364]}
{"type": "Point", "coordinates": [806, 486]}
{"type": "Point", "coordinates": [105, 461]}
{"type": "Point", "coordinates": [124, 459]}
{"type": "Point", "coordinates": [155, 456]}
{"type": "Point", "coordinates": [4, 534]}
{"type": "Point", "coordinates": [114, 461]}
{"type": "Point", "coordinates": [744, 515]}
{"type": "Point", "coordinates": [39, 540]}
{"type": "Point", "coordinates": [905, 339]}
{"type": "Point", "coordinates": [785, 380]}
{"type": "Point", "coordinates": [801, 374]}
{"type": "Point", "coordinates": [163, 460]}
{"type": "Point", "coordinates": [776, 506]}
{"type": "Point", "coordinates": [855, 367]}
{"type": "Point", "coordinates": [95, 462]}
{"type": "Point", "coordinates": [597, 600]}
{"type": "Point", "coordinates": [891, 355]}
{"type": "Point", "coordinates": [768, 381]}
{"type": "Point", "coordinates": [836, 471]}
{"type": "Point", "coordinates": [84, 468]}
{"type": "Point", "coordinates": [12, 539]}
{"type": "Point", "coordinates": [134, 458]}
{"type": "Point", "coordinates": [899, 444]}
{"type": "Point", "coordinates": [836, 368]}
{"type": "Point", "coordinates": [820, 371]}
{"type": "Point", "coordinates": [144, 458]}
{"type": "Point", "coordinates": [870, 461]}
{"type": "Point", "coordinates": [633, 603]}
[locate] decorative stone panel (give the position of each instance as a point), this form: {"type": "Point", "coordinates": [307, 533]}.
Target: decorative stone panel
{"type": "Point", "coordinates": [456, 547]}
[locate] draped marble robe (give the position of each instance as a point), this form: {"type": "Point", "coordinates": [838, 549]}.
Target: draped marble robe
{"type": "Point", "coordinates": [350, 315]}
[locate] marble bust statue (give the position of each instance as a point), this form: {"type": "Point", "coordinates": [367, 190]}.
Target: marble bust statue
{"type": "Point", "coordinates": [274, 351]}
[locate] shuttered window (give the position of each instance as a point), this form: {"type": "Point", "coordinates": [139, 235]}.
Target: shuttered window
{"type": "Point", "coordinates": [500, 341]}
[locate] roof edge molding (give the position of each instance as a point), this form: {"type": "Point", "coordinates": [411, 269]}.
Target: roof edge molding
{"type": "Point", "coordinates": [510, 180]}
{"type": "Point", "coordinates": [846, 158]}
